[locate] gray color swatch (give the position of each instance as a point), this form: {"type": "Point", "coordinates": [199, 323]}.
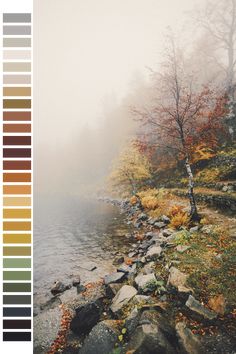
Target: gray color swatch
{"type": "Point", "coordinates": [17, 17]}
{"type": "Point", "coordinates": [17, 30]}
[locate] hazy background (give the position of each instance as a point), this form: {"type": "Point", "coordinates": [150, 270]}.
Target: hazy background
{"type": "Point", "coordinates": [90, 60]}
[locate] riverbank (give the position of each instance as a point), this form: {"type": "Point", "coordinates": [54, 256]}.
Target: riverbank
{"type": "Point", "coordinates": [168, 294]}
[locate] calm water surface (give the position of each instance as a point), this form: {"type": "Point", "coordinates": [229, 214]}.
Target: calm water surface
{"type": "Point", "coordinates": [70, 236]}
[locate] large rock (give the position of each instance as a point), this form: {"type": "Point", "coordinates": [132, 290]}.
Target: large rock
{"type": "Point", "coordinates": [199, 310]}
{"type": "Point", "coordinates": [131, 322]}
{"type": "Point", "coordinates": [101, 339]}
{"type": "Point", "coordinates": [112, 289]}
{"type": "Point", "coordinates": [154, 253]}
{"type": "Point", "coordinates": [142, 217]}
{"type": "Point", "coordinates": [124, 295]}
{"type": "Point", "coordinates": [188, 342]}
{"type": "Point", "coordinates": [152, 336]}
{"type": "Point", "coordinates": [160, 224]}
{"type": "Point", "coordinates": [146, 283]}
{"type": "Point", "coordinates": [115, 277]}
{"type": "Point", "coordinates": [178, 280]}
{"type": "Point", "coordinates": [86, 317]}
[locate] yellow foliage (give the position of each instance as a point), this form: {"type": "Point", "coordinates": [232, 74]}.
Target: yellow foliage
{"type": "Point", "coordinates": [202, 152]}
{"type": "Point", "coordinates": [180, 219]}
{"type": "Point", "coordinates": [149, 203]}
{"type": "Point", "coordinates": [133, 200]}
{"type": "Point", "coordinates": [174, 210]}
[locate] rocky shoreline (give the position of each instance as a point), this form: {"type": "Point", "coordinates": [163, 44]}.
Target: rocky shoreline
{"type": "Point", "coordinates": [135, 309]}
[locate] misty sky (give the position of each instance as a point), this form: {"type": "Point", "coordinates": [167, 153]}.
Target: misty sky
{"type": "Point", "coordinates": [87, 50]}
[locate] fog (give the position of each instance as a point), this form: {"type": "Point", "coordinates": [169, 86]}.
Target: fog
{"type": "Point", "coordinates": [90, 60]}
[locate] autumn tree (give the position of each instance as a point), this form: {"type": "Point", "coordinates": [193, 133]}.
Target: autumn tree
{"type": "Point", "coordinates": [130, 170]}
{"type": "Point", "coordinates": [179, 107]}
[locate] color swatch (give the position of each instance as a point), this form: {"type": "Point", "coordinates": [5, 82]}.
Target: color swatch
{"type": "Point", "coordinates": [17, 177]}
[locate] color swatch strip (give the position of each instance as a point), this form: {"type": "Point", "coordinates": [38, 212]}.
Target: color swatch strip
{"type": "Point", "coordinates": [17, 177]}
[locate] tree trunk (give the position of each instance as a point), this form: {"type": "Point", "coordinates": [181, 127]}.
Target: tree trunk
{"type": "Point", "coordinates": [193, 207]}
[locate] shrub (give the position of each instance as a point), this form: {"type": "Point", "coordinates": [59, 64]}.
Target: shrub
{"type": "Point", "coordinates": [180, 219]}
{"type": "Point", "coordinates": [174, 210]}
{"type": "Point", "coordinates": [182, 237]}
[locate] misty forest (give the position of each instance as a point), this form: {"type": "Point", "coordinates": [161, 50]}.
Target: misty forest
{"type": "Point", "coordinates": [161, 167]}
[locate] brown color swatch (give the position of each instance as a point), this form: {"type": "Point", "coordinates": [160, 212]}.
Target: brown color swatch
{"type": "Point", "coordinates": [16, 177]}
{"type": "Point", "coordinates": [16, 91]}
{"type": "Point", "coordinates": [16, 128]}
{"type": "Point", "coordinates": [17, 140]}
{"type": "Point", "coordinates": [16, 152]}
{"type": "Point", "coordinates": [16, 226]}
{"type": "Point", "coordinates": [15, 103]}
{"type": "Point", "coordinates": [16, 165]}
{"type": "Point", "coordinates": [17, 189]}
{"type": "Point", "coordinates": [16, 116]}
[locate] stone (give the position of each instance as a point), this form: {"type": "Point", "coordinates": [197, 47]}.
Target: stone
{"type": "Point", "coordinates": [217, 304]}
{"type": "Point", "coordinates": [76, 281]}
{"type": "Point", "coordinates": [182, 249]}
{"type": "Point", "coordinates": [146, 283]}
{"type": "Point", "coordinates": [112, 289]}
{"type": "Point", "coordinates": [138, 224]}
{"type": "Point", "coordinates": [159, 224]}
{"type": "Point", "coordinates": [148, 268]}
{"type": "Point", "coordinates": [59, 288]}
{"type": "Point", "coordinates": [86, 317]}
{"type": "Point", "coordinates": [124, 295]}
{"type": "Point", "coordinates": [197, 308]}
{"type": "Point", "coordinates": [165, 219]}
{"type": "Point", "coordinates": [101, 339]}
{"type": "Point", "coordinates": [167, 232]}
{"type": "Point", "coordinates": [176, 278]}
{"type": "Point", "coordinates": [154, 253]}
{"type": "Point", "coordinates": [152, 221]}
{"type": "Point", "coordinates": [194, 229]}
{"type": "Point", "coordinates": [118, 260]}
{"type": "Point", "coordinates": [189, 343]}
{"type": "Point", "coordinates": [132, 254]}
{"type": "Point", "coordinates": [131, 322]}
{"type": "Point", "coordinates": [142, 217]}
{"type": "Point", "coordinates": [153, 335]}
{"type": "Point", "coordinates": [115, 277]}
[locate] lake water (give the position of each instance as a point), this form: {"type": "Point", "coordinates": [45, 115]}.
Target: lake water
{"type": "Point", "coordinates": [71, 236]}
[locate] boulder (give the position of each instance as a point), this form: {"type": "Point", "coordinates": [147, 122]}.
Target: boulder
{"type": "Point", "coordinates": [112, 289]}
{"type": "Point", "coordinates": [182, 249]}
{"type": "Point", "coordinates": [118, 260]}
{"type": "Point", "coordinates": [160, 224]}
{"type": "Point", "coordinates": [167, 232]}
{"type": "Point", "coordinates": [199, 310]}
{"type": "Point", "coordinates": [178, 280]}
{"type": "Point", "coordinates": [165, 219]}
{"type": "Point", "coordinates": [217, 304]}
{"type": "Point", "coordinates": [142, 217]}
{"type": "Point", "coordinates": [153, 335]}
{"type": "Point", "coordinates": [154, 253]}
{"type": "Point", "coordinates": [76, 280]}
{"type": "Point", "coordinates": [86, 317]}
{"type": "Point", "coordinates": [101, 339]}
{"type": "Point", "coordinates": [131, 322]}
{"type": "Point", "coordinates": [188, 342]}
{"type": "Point", "coordinates": [148, 268]}
{"type": "Point", "coordinates": [124, 295]}
{"type": "Point", "coordinates": [115, 277]}
{"type": "Point", "coordinates": [146, 283]}
{"type": "Point", "coordinates": [59, 288]}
